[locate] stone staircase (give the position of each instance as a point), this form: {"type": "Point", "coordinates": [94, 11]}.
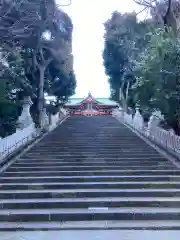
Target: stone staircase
{"type": "Point", "coordinates": [90, 173]}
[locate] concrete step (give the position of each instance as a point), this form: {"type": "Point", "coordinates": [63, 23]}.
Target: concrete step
{"type": "Point", "coordinates": [95, 150]}
{"type": "Point", "coordinates": [94, 153]}
{"type": "Point", "coordinates": [118, 172]}
{"type": "Point", "coordinates": [90, 178]}
{"type": "Point", "coordinates": [100, 144]}
{"type": "Point", "coordinates": [88, 168]}
{"type": "Point", "coordinates": [53, 203]}
{"type": "Point", "coordinates": [93, 156]}
{"type": "Point", "coordinates": [88, 193]}
{"type": "Point", "coordinates": [91, 148]}
{"type": "Point", "coordinates": [100, 139]}
{"type": "Point", "coordinates": [81, 158]}
{"type": "Point", "coordinates": [93, 145]}
{"type": "Point", "coordinates": [88, 163]}
{"type": "Point", "coordinates": [90, 185]}
{"type": "Point", "coordinates": [96, 225]}
{"type": "Point", "coordinates": [89, 214]}
{"type": "Point", "coordinates": [94, 135]}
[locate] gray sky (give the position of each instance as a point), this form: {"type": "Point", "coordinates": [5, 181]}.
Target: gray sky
{"type": "Point", "coordinates": [88, 17]}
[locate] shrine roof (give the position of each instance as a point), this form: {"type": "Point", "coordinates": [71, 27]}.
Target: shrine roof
{"type": "Point", "coordinates": [104, 101]}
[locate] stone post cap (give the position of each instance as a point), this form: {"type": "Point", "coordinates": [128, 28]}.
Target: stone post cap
{"type": "Point", "coordinates": [157, 114]}
{"type": "Point", "coordinates": [27, 100]}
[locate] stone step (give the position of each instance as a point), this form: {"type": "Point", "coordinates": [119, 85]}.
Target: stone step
{"type": "Point", "coordinates": [92, 225]}
{"type": "Point", "coordinates": [118, 172]}
{"type": "Point", "coordinates": [91, 167]}
{"type": "Point", "coordinates": [103, 138]}
{"type": "Point", "coordinates": [88, 193]}
{"type": "Point", "coordinates": [78, 146]}
{"type": "Point", "coordinates": [52, 165]}
{"type": "Point", "coordinates": [86, 148]}
{"type": "Point", "coordinates": [55, 139]}
{"type": "Point", "coordinates": [100, 151]}
{"type": "Point", "coordinates": [87, 162]}
{"type": "Point", "coordinates": [112, 202]}
{"type": "Point", "coordinates": [91, 154]}
{"type": "Point", "coordinates": [81, 158]}
{"type": "Point", "coordinates": [100, 139]}
{"type": "Point", "coordinates": [93, 134]}
{"type": "Point", "coordinates": [89, 214]}
{"type": "Point", "coordinates": [90, 185]}
{"type": "Point", "coordinates": [90, 178]}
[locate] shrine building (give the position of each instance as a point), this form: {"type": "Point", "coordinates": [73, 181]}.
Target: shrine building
{"type": "Point", "coordinates": [90, 106]}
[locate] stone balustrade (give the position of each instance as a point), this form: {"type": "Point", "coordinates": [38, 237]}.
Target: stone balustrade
{"type": "Point", "coordinates": [167, 139]}
{"type": "Point", "coordinates": [21, 137]}
{"type": "Point", "coordinates": [26, 130]}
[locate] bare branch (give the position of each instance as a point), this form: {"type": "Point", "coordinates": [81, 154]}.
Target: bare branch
{"type": "Point", "coordinates": [146, 3]}
{"type": "Point", "coordinates": [145, 8]}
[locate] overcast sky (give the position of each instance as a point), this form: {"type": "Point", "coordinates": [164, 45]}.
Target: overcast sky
{"type": "Point", "coordinates": [88, 17]}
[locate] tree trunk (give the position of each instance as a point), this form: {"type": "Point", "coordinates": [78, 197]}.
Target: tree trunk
{"type": "Point", "coordinates": [41, 95]}
{"type": "Point", "coordinates": [127, 91]}
{"type": "Point", "coordinates": [122, 97]}
{"type": "Point", "coordinates": [169, 18]}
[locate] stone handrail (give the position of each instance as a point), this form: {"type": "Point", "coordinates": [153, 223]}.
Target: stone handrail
{"type": "Point", "coordinates": [21, 137]}
{"type": "Point", "coordinates": [26, 130]}
{"type": "Point", "coordinates": [162, 137]}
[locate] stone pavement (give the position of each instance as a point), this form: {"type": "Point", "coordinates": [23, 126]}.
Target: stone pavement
{"type": "Point", "coordinates": [91, 235]}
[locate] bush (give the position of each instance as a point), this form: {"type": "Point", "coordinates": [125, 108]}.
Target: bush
{"type": "Point", "coordinates": [9, 112]}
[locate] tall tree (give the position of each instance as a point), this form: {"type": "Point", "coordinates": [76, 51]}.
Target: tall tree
{"type": "Point", "coordinates": [43, 30]}
{"type": "Point", "coordinates": [158, 77]}
{"type": "Point", "coordinates": [125, 37]}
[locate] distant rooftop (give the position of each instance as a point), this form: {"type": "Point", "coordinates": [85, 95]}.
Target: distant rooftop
{"type": "Point", "coordinates": [105, 101]}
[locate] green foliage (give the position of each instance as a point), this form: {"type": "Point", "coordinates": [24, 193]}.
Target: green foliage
{"type": "Point", "coordinates": [8, 112]}
{"type": "Point", "coordinates": [34, 61]}
{"type": "Point", "coordinates": [143, 61]}
{"type": "Point", "coordinates": [8, 117]}
{"type": "Point", "coordinates": [52, 108]}
{"type": "Point", "coordinates": [158, 76]}
{"type": "Point", "coordinates": [125, 38]}
{"type": "Point", "coordinates": [64, 88]}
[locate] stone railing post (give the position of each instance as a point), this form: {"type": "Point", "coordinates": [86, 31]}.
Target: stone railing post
{"type": "Point", "coordinates": [121, 112]}
{"type": "Point", "coordinates": [154, 120]}
{"type": "Point", "coordinates": [45, 119]}
{"type": "Point", "coordinates": [62, 113]}
{"type": "Point", "coordinates": [138, 120]}
{"type": "Point", "coordinates": [25, 118]}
